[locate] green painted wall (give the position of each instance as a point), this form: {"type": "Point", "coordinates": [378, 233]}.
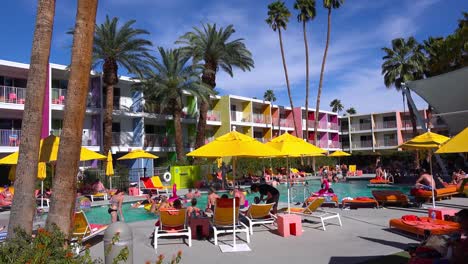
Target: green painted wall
{"type": "Point", "coordinates": [225, 109]}
{"type": "Point", "coordinates": [185, 176]}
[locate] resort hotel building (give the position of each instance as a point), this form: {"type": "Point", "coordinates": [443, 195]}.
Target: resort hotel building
{"type": "Point", "coordinates": [139, 124]}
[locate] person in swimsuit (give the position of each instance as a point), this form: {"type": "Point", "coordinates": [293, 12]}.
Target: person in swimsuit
{"type": "Point", "coordinates": [272, 194]}
{"type": "Point", "coordinates": [425, 181]}
{"type": "Point", "coordinates": [115, 207]}
{"type": "Point", "coordinates": [193, 210]}
{"type": "Point", "coordinates": [212, 196]}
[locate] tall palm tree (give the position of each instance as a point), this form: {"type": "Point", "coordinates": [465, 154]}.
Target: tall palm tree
{"type": "Point", "coordinates": [307, 12]}
{"type": "Point", "coordinates": [214, 46]}
{"type": "Point", "coordinates": [166, 83]}
{"type": "Point", "coordinates": [116, 47]}
{"type": "Point", "coordinates": [22, 211]}
{"type": "Point", "coordinates": [278, 18]}
{"type": "Point", "coordinates": [269, 95]}
{"type": "Point", "coordinates": [64, 195]}
{"type": "Point", "coordinates": [351, 111]}
{"type": "Point", "coordinates": [329, 5]}
{"type": "Point", "coordinates": [403, 62]}
{"type": "Point", "coordinates": [336, 105]}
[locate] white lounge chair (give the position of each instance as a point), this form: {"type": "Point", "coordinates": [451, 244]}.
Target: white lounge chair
{"type": "Point", "coordinates": [313, 210]}
{"type": "Point", "coordinates": [259, 214]}
{"type": "Point", "coordinates": [172, 222]}
{"type": "Point", "coordinates": [223, 219]}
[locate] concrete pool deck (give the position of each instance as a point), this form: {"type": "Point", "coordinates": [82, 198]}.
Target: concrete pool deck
{"type": "Point", "coordinates": [364, 235]}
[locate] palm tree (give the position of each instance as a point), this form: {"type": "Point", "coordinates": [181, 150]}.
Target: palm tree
{"type": "Point", "coordinates": [23, 208]}
{"type": "Point", "coordinates": [351, 111]}
{"type": "Point", "coordinates": [269, 95]}
{"type": "Point", "coordinates": [328, 4]}
{"type": "Point", "coordinates": [403, 62]}
{"type": "Point", "coordinates": [64, 195]}
{"type": "Point", "coordinates": [213, 45]}
{"type": "Point", "coordinates": [307, 12]}
{"type": "Point", "coordinates": [166, 83]}
{"type": "Point", "coordinates": [336, 106]}
{"type": "Point", "coordinates": [278, 18]}
{"type": "Point", "coordinates": [116, 47]}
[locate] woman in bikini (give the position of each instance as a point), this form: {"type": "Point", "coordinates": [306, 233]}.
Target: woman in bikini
{"type": "Point", "coordinates": [115, 207]}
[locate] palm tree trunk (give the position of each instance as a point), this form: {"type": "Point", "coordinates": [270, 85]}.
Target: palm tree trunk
{"type": "Point", "coordinates": [64, 186]}
{"type": "Point", "coordinates": [209, 78]}
{"type": "Point", "coordinates": [415, 131]}
{"type": "Point", "coordinates": [178, 135]}
{"type": "Point", "coordinates": [109, 88]}
{"type": "Point", "coordinates": [287, 82]}
{"type": "Point", "coordinates": [22, 211]}
{"type": "Point", "coordinates": [319, 92]}
{"type": "Point", "coordinates": [306, 45]}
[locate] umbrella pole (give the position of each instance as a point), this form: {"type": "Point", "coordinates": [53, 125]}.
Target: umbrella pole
{"type": "Point", "coordinates": [430, 168]}
{"type": "Point", "coordinates": [288, 185]}
{"type": "Point", "coordinates": [110, 181]}
{"type": "Point", "coordinates": [42, 194]}
{"type": "Point", "coordinates": [234, 203]}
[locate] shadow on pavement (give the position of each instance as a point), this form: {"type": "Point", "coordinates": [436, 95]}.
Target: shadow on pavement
{"type": "Point", "coordinates": [391, 259]}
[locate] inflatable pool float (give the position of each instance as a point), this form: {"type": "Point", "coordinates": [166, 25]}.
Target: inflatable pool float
{"type": "Point", "coordinates": [423, 195]}
{"type": "Point", "coordinates": [389, 196]}
{"type": "Point", "coordinates": [359, 202]}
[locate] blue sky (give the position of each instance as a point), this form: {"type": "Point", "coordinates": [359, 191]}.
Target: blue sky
{"type": "Point", "coordinates": [359, 30]}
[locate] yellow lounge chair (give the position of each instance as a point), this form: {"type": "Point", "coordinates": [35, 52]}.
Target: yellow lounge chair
{"type": "Point", "coordinates": [223, 219]}
{"type": "Point", "coordinates": [259, 214]}
{"type": "Point", "coordinates": [172, 222]}
{"type": "Point", "coordinates": [159, 185]}
{"type": "Point", "coordinates": [83, 230]}
{"type": "Point", "coordinates": [313, 210]}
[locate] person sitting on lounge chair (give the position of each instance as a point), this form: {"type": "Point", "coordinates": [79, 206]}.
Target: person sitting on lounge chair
{"type": "Point", "coordinates": [98, 187]}
{"type": "Point", "coordinates": [425, 181]}
{"type": "Point", "coordinates": [210, 205]}
{"type": "Point", "coordinates": [7, 195]}
{"type": "Point", "coordinates": [193, 210]}
{"type": "Point", "coordinates": [272, 194]}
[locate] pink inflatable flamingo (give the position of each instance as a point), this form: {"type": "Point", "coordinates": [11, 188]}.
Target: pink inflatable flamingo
{"type": "Point", "coordinates": [174, 195]}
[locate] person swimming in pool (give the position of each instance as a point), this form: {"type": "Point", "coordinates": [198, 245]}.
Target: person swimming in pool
{"type": "Point", "coordinates": [193, 210]}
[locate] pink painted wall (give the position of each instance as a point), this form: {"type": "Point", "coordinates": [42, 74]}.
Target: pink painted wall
{"type": "Point", "coordinates": [298, 115]}
{"type": "Point", "coordinates": [399, 128]}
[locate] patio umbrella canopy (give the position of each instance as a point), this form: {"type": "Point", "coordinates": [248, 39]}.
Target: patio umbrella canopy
{"type": "Point", "coordinates": [49, 150]}
{"type": "Point", "coordinates": [292, 146]}
{"type": "Point", "coordinates": [427, 141]}
{"type": "Point", "coordinates": [109, 168]}
{"type": "Point", "coordinates": [339, 153]}
{"type": "Point", "coordinates": [457, 144]}
{"type": "Point", "coordinates": [234, 144]}
{"type": "Point", "coordinates": [138, 154]}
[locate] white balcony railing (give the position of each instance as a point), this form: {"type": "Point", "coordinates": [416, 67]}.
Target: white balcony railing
{"type": "Point", "coordinates": [363, 144]}
{"type": "Point", "coordinates": [238, 116]}
{"type": "Point", "coordinates": [159, 140]}
{"type": "Point", "coordinates": [213, 115]}
{"type": "Point", "coordinates": [10, 137]}
{"type": "Point", "coordinates": [88, 138]}
{"type": "Point", "coordinates": [123, 139]}
{"type": "Point", "coordinates": [209, 139]}
{"type": "Point", "coordinates": [334, 144]}
{"type": "Point", "coordinates": [387, 143]}
{"type": "Point", "coordinates": [12, 95]}
{"type": "Point", "coordinates": [360, 127]}
{"type": "Point", "coordinates": [58, 96]}
{"type": "Point", "coordinates": [385, 125]}
{"type": "Point", "coordinates": [261, 118]}
{"type": "Point", "coordinates": [333, 126]}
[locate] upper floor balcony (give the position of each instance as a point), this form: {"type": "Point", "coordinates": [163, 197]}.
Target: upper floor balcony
{"type": "Point", "coordinates": [322, 124]}
{"type": "Point", "coordinates": [88, 138]}
{"type": "Point", "coordinates": [237, 116]}
{"type": "Point", "coordinates": [12, 95]}
{"type": "Point", "coordinates": [386, 143]}
{"type": "Point", "coordinates": [361, 127]}
{"type": "Point", "coordinates": [59, 95]}
{"type": "Point", "coordinates": [334, 144]}
{"type": "Point", "coordinates": [158, 141]}
{"type": "Point", "coordinates": [386, 125]}
{"type": "Point", "coordinates": [283, 122]}
{"type": "Point", "coordinates": [213, 115]}
{"type": "Point", "coordinates": [362, 144]}
{"type": "Point", "coordinates": [261, 118]}
{"type": "Point", "coordinates": [124, 139]}
{"type": "Point", "coordinates": [10, 137]}
{"type": "Point", "coordinates": [333, 126]}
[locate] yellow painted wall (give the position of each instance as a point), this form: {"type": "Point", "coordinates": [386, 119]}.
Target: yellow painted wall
{"type": "Point", "coordinates": [224, 107]}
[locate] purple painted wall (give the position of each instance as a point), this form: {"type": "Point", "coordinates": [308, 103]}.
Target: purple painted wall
{"type": "Point", "coordinates": [45, 108]}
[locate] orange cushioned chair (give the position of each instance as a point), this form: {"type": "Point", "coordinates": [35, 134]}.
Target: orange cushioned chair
{"type": "Point", "coordinates": [421, 226]}
{"type": "Point", "coordinates": [389, 196]}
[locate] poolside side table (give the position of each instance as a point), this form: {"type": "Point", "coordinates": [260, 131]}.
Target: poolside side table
{"type": "Point", "coordinates": [200, 226]}
{"type": "Point", "coordinates": [441, 212]}
{"type": "Point", "coordinates": [289, 224]}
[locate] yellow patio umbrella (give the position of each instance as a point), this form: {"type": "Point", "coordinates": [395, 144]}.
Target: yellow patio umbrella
{"type": "Point", "coordinates": [234, 144]}
{"type": "Point", "coordinates": [109, 168]}
{"type": "Point", "coordinates": [49, 150]}
{"type": "Point", "coordinates": [41, 175]}
{"type": "Point", "coordinates": [427, 141]}
{"type": "Point", "coordinates": [339, 153]}
{"type": "Point", "coordinates": [457, 144]}
{"type": "Point", "coordinates": [292, 146]}
{"type": "Point", "coordinates": [12, 173]}
{"type": "Point", "coordinates": [138, 154]}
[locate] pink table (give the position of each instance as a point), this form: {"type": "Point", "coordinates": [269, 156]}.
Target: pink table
{"type": "Point", "coordinates": [289, 224]}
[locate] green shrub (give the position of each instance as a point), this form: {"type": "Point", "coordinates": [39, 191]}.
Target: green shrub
{"type": "Point", "coordinates": [45, 247]}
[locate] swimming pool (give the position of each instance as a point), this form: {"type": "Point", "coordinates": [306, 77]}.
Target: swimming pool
{"type": "Point", "coordinates": [99, 214]}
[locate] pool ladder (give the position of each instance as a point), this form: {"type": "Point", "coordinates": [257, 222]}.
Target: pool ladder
{"type": "Point", "coordinates": [296, 192]}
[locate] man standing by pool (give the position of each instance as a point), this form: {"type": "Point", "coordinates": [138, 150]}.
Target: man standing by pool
{"type": "Point", "coordinates": [272, 194]}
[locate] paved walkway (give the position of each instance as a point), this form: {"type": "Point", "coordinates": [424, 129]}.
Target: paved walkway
{"type": "Point", "coordinates": [364, 235]}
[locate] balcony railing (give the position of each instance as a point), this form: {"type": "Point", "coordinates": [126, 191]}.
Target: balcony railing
{"type": "Point", "coordinates": [334, 144]}
{"type": "Point", "coordinates": [58, 96]}
{"type": "Point", "coordinates": [333, 126]}
{"type": "Point", "coordinates": [359, 127]}
{"type": "Point", "coordinates": [213, 115]}
{"type": "Point", "coordinates": [86, 138]}
{"type": "Point", "coordinates": [363, 144]}
{"type": "Point", "coordinates": [12, 95]}
{"type": "Point", "coordinates": [385, 125]}
{"type": "Point", "coordinates": [123, 139]}
{"type": "Point", "coordinates": [10, 137]}
{"type": "Point", "coordinates": [159, 140]}
{"type": "Point", "coordinates": [387, 143]}
{"type": "Point", "coordinates": [322, 144]}
{"type": "Point", "coordinates": [321, 124]}
{"type": "Point", "coordinates": [261, 118]}
{"type": "Point", "coordinates": [240, 116]}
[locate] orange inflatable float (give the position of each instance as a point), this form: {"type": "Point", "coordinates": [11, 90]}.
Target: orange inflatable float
{"type": "Point", "coordinates": [420, 225]}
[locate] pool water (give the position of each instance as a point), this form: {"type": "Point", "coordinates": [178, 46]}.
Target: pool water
{"type": "Point", "coordinates": [99, 215]}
